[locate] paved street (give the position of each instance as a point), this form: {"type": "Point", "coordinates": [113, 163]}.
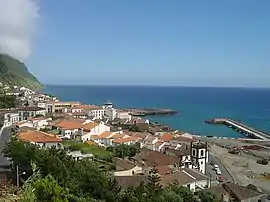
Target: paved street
{"type": "Point", "coordinates": [4, 137]}
{"type": "Point", "coordinates": [210, 169]}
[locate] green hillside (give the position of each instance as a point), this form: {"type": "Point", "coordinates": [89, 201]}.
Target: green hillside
{"type": "Point", "coordinates": [14, 73]}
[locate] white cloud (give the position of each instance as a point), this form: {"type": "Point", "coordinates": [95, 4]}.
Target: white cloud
{"type": "Point", "coordinates": [18, 20]}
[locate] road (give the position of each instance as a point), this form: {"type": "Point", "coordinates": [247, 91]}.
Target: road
{"type": "Point", "coordinates": [210, 169]}
{"type": "Point", "coordinates": [4, 137]}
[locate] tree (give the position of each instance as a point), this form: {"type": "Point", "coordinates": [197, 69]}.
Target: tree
{"type": "Point", "coordinates": [185, 193]}
{"type": "Point", "coordinates": [154, 187]}
{"type": "Point", "coordinates": [123, 150]}
{"type": "Point", "coordinates": [207, 196]}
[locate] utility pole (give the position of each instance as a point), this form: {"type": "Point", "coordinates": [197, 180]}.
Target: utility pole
{"type": "Point", "coordinates": [17, 175]}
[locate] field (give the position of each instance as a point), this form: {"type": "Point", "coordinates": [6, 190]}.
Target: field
{"type": "Point", "coordinates": [97, 151]}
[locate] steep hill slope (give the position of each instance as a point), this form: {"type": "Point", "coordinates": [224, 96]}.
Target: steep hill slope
{"type": "Point", "coordinates": [13, 72]}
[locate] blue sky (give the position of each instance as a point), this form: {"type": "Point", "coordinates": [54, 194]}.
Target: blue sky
{"type": "Point", "coordinates": [155, 42]}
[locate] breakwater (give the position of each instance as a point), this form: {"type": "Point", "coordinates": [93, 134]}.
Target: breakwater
{"type": "Point", "coordinates": [240, 127]}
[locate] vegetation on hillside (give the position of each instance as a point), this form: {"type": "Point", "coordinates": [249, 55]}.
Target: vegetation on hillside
{"type": "Point", "coordinates": [7, 101]}
{"type": "Point", "coordinates": [14, 73]}
{"type": "Point", "coordinates": [52, 175]}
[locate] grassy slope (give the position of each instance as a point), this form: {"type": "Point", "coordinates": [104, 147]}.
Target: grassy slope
{"type": "Point", "coordinates": [90, 149]}
{"type": "Point", "coordinates": [13, 72]}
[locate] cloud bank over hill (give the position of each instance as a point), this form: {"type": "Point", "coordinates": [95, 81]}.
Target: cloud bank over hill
{"type": "Point", "coordinates": [18, 23]}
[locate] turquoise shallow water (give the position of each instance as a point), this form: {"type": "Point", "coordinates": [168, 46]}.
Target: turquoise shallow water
{"type": "Point", "coordinates": [195, 105]}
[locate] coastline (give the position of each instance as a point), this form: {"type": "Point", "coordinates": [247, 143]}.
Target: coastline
{"type": "Point", "coordinates": [193, 105]}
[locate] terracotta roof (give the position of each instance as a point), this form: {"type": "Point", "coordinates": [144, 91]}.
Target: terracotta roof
{"type": "Point", "coordinates": [166, 137]}
{"type": "Point", "coordinates": [89, 126]}
{"type": "Point", "coordinates": [69, 124]}
{"type": "Point", "coordinates": [38, 137]}
{"type": "Point", "coordinates": [126, 139]}
{"type": "Point", "coordinates": [117, 136]}
{"type": "Point", "coordinates": [163, 170]}
{"type": "Point", "coordinates": [106, 134]}
{"type": "Point", "coordinates": [122, 164]}
{"type": "Point", "coordinates": [154, 158]}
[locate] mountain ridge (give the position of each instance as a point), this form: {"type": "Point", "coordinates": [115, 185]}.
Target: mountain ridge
{"type": "Point", "coordinates": [14, 73]}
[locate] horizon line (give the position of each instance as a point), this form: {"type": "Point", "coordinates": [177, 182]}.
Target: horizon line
{"type": "Point", "coordinates": [156, 85]}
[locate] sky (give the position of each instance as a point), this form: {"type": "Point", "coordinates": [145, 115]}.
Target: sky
{"type": "Point", "coordinates": [153, 42]}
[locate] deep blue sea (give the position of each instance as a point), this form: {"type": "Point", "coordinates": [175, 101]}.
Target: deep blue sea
{"type": "Point", "coordinates": [195, 104]}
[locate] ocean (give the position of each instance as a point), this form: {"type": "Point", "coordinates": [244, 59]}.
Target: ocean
{"type": "Point", "coordinates": [194, 104]}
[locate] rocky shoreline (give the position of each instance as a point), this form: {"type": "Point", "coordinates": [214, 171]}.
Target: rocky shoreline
{"type": "Point", "coordinates": [151, 112]}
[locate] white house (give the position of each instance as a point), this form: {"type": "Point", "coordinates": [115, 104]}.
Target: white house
{"type": "Point", "coordinates": [150, 141]}
{"type": "Point", "coordinates": [121, 114]}
{"type": "Point", "coordinates": [11, 118]}
{"type": "Point", "coordinates": [40, 138]}
{"type": "Point", "coordinates": [29, 112]}
{"type": "Point", "coordinates": [93, 128]}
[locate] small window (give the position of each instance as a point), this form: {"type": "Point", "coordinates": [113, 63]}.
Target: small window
{"type": "Point", "coordinates": [202, 153]}
{"type": "Point", "coordinates": [201, 162]}
{"type": "Point", "coordinates": [194, 152]}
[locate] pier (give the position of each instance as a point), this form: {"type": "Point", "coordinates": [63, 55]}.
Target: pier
{"type": "Point", "coordinates": [240, 127]}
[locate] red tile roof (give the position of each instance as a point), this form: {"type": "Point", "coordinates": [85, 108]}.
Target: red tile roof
{"type": "Point", "coordinates": [38, 137]}
{"type": "Point", "coordinates": [166, 137]}
{"type": "Point", "coordinates": [126, 139]}
{"type": "Point", "coordinates": [106, 134]}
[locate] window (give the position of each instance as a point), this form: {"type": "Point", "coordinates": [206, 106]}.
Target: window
{"type": "Point", "coordinates": [194, 152]}
{"type": "Point", "coordinates": [202, 153]}
{"type": "Point", "coordinates": [201, 162]}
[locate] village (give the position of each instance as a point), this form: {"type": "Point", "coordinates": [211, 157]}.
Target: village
{"type": "Point", "coordinates": [94, 132]}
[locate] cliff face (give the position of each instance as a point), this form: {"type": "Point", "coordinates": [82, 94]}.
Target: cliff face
{"type": "Point", "coordinates": [14, 73]}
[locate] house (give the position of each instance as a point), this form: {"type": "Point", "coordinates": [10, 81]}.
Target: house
{"type": "Point", "coordinates": [83, 128]}
{"type": "Point", "coordinates": [69, 128]}
{"type": "Point", "coordinates": [93, 128]}
{"type": "Point", "coordinates": [126, 140]}
{"type": "Point", "coordinates": [77, 155]}
{"type": "Point", "coordinates": [29, 112]}
{"type": "Point", "coordinates": [125, 167]}
{"type": "Point", "coordinates": [149, 159]}
{"type": "Point", "coordinates": [189, 178]}
{"type": "Point", "coordinates": [233, 192]}
{"type": "Point", "coordinates": [158, 146]}
{"type": "Point", "coordinates": [79, 115]}
{"type": "Point", "coordinates": [40, 138]}
{"type": "Point", "coordinates": [10, 118]}
{"type": "Point", "coordinates": [109, 141]}
{"type": "Point", "coordinates": [123, 114]}
{"type": "Point", "coordinates": [150, 141]}
{"type": "Point", "coordinates": [105, 138]}
{"type": "Point", "coordinates": [59, 107]}
{"type": "Point", "coordinates": [40, 122]}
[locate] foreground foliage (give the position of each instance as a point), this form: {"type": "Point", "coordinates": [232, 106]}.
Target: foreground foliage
{"type": "Point", "coordinates": [51, 175]}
